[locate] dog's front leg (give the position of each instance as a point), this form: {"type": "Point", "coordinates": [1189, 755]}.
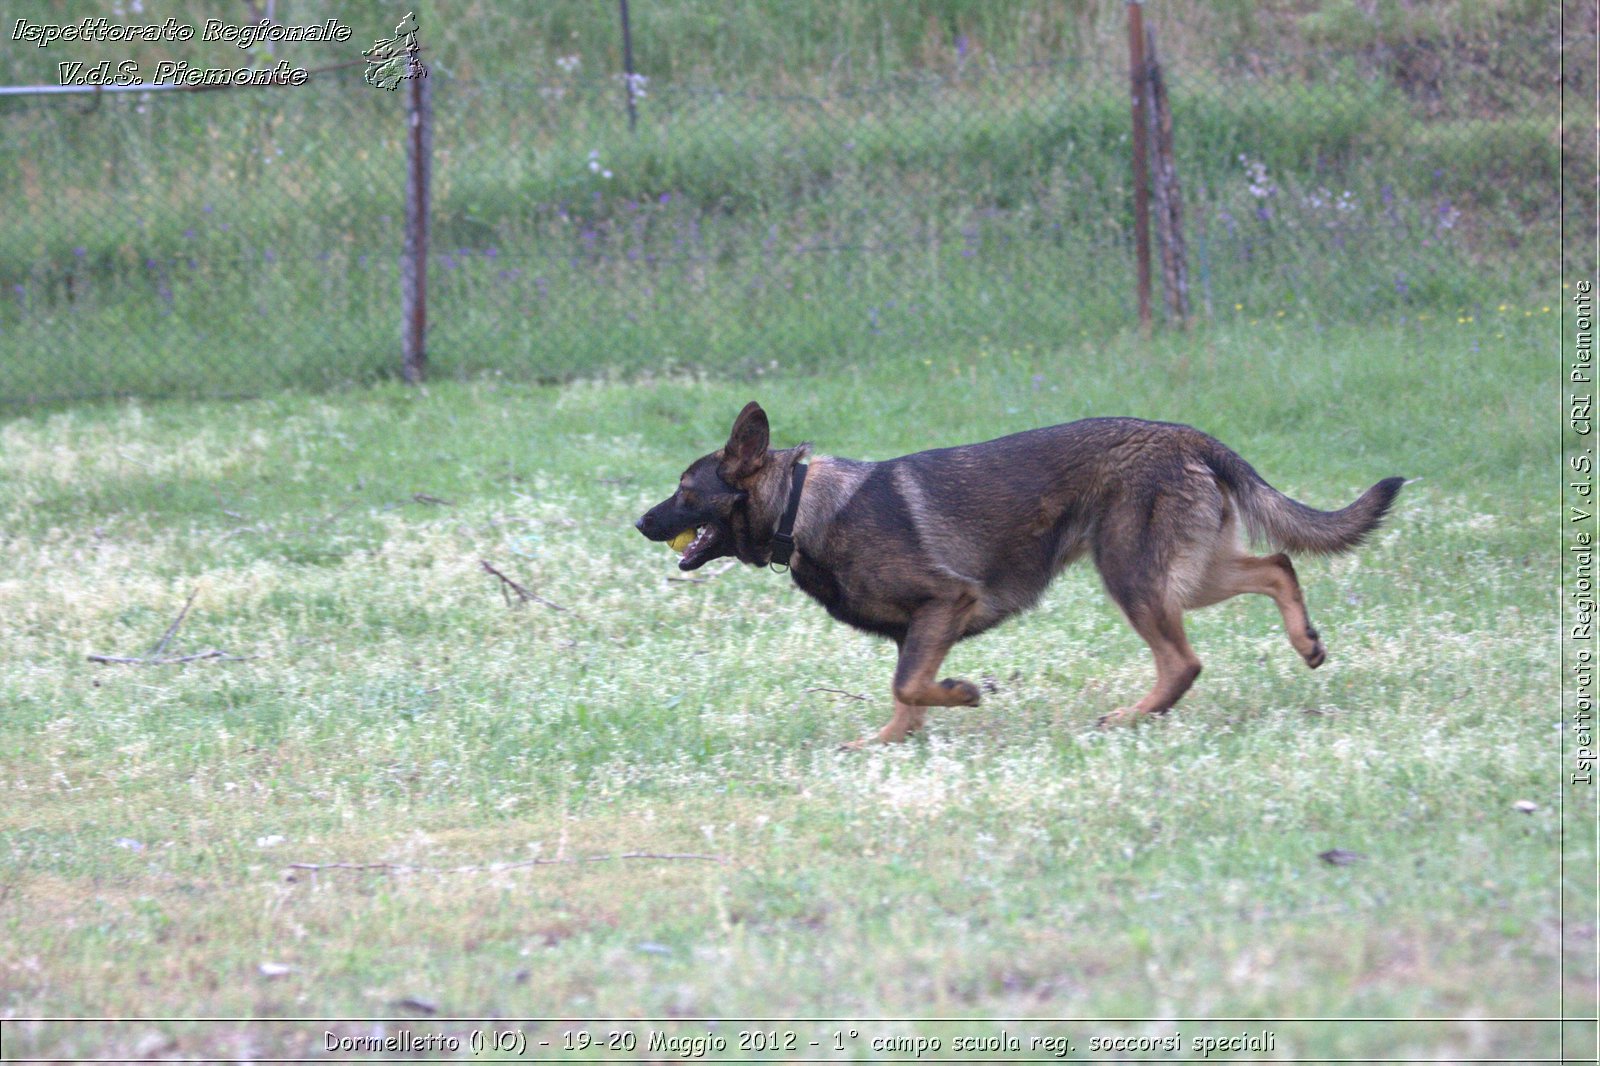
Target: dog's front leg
{"type": "Point", "coordinates": [907, 719]}
{"type": "Point", "coordinates": [933, 629]}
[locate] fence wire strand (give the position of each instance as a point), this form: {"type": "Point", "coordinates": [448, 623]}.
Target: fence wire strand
{"type": "Point", "coordinates": [233, 242]}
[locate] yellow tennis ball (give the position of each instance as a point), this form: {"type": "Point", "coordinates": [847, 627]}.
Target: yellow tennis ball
{"type": "Point", "coordinates": [681, 541]}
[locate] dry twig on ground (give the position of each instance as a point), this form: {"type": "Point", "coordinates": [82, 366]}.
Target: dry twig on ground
{"type": "Point", "coordinates": [508, 586]}
{"type": "Point", "coordinates": [154, 657]}
{"type": "Point", "coordinates": [839, 692]}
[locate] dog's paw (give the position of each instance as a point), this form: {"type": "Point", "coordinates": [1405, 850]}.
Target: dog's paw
{"type": "Point", "coordinates": [1120, 716]}
{"type": "Point", "coordinates": [1318, 654]}
{"type": "Point", "coordinates": [966, 693]}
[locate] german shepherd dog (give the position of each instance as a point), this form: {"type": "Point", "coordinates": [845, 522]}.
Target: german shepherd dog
{"type": "Point", "coordinates": [937, 546]}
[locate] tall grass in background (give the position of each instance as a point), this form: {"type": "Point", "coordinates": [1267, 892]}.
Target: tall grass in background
{"type": "Point", "coordinates": [794, 195]}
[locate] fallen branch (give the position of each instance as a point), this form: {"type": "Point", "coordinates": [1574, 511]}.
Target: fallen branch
{"type": "Point", "coordinates": [523, 595]}
{"type": "Point", "coordinates": [166, 637]}
{"type": "Point", "coordinates": [496, 867]}
{"type": "Point", "coordinates": [154, 657]}
{"type": "Point", "coordinates": [840, 692]}
{"type": "Point", "coordinates": [212, 654]}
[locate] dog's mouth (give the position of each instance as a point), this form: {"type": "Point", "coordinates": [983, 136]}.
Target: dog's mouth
{"type": "Point", "coordinates": [700, 549]}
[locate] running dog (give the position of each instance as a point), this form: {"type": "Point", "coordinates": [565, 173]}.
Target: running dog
{"type": "Point", "coordinates": [931, 548]}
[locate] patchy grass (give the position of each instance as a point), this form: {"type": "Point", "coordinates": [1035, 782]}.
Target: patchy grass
{"type": "Point", "coordinates": [386, 706]}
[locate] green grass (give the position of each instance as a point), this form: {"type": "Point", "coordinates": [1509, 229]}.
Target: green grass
{"type": "Point", "coordinates": [225, 244]}
{"type": "Point", "coordinates": [389, 706]}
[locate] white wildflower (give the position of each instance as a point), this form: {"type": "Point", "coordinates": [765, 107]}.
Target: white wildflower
{"type": "Point", "coordinates": [635, 84]}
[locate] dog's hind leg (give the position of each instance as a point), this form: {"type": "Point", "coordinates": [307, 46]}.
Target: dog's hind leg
{"type": "Point", "coordinates": [1150, 562]}
{"type": "Point", "coordinates": [1177, 665]}
{"type": "Point", "coordinates": [1235, 573]}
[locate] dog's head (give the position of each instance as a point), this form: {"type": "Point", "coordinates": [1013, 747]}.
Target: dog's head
{"type": "Point", "coordinates": [715, 499]}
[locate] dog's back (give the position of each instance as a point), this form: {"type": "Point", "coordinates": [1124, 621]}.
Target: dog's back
{"type": "Point", "coordinates": [1007, 515]}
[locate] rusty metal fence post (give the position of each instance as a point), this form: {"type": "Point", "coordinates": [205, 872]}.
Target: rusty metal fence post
{"type": "Point", "coordinates": [1139, 80]}
{"type": "Point", "coordinates": [627, 65]}
{"type": "Point", "coordinates": [414, 259]}
{"type": "Point", "coordinates": [1165, 190]}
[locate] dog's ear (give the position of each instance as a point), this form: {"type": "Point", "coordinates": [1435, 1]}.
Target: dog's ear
{"type": "Point", "coordinates": [746, 450]}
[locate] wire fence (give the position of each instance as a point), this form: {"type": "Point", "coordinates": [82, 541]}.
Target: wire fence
{"type": "Point", "coordinates": [231, 242]}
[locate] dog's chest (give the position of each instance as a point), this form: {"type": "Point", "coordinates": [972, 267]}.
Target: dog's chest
{"type": "Point", "coordinates": [847, 603]}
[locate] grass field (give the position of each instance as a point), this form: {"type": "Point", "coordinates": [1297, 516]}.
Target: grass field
{"type": "Point", "coordinates": [382, 703]}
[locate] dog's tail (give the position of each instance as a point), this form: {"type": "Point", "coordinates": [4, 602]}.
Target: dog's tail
{"type": "Point", "coordinates": [1289, 525]}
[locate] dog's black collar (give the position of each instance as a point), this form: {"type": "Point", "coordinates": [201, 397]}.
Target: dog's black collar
{"type": "Point", "coordinates": [783, 539]}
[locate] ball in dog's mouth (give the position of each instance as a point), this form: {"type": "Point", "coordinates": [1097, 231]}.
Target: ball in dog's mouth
{"type": "Point", "coordinates": [681, 542]}
{"type": "Point", "coordinates": [697, 551]}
